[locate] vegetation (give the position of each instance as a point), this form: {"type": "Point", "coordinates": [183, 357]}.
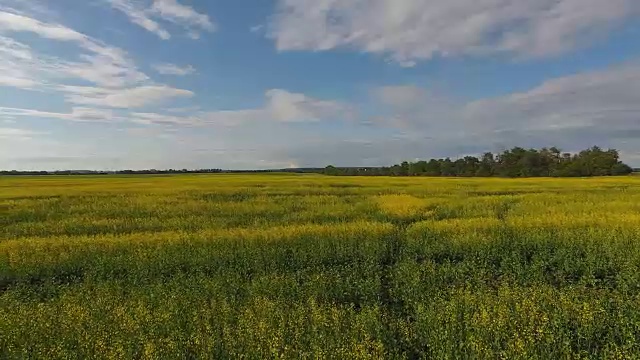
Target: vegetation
{"type": "Point", "coordinates": [103, 172]}
{"type": "Point", "coordinates": [156, 172]}
{"type": "Point", "coordinates": [309, 266]}
{"type": "Point", "coordinates": [517, 162]}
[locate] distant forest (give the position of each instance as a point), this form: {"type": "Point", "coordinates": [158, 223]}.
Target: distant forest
{"type": "Point", "coordinates": [517, 162]}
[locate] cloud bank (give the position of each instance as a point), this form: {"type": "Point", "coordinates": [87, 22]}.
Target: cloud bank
{"type": "Point", "coordinates": [413, 30]}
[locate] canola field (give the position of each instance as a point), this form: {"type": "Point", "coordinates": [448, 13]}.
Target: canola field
{"type": "Point", "coordinates": [314, 267]}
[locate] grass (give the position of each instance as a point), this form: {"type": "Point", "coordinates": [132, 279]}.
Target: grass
{"type": "Point", "coordinates": [286, 266]}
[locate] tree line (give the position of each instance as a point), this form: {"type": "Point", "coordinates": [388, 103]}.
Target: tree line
{"type": "Point", "coordinates": [116, 172]}
{"type": "Point", "coordinates": [158, 172]}
{"type": "Point", "coordinates": [516, 162]}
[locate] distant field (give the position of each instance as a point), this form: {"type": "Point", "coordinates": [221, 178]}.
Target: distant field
{"type": "Point", "coordinates": [306, 266]}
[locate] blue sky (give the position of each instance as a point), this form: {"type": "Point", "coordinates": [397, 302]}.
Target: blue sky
{"type": "Point", "coordinates": [115, 84]}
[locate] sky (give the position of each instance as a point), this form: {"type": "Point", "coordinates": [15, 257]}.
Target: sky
{"type": "Point", "coordinates": [246, 84]}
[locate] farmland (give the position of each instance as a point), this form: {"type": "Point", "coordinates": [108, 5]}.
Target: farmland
{"type": "Point", "coordinates": [308, 266]}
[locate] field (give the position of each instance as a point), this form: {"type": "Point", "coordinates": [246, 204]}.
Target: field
{"type": "Point", "coordinates": [306, 266]}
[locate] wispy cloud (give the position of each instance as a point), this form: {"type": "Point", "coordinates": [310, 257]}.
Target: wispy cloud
{"type": "Point", "coordinates": [17, 134]}
{"type": "Point", "coordinates": [123, 98]}
{"type": "Point", "coordinates": [172, 69]}
{"type": "Point", "coordinates": [281, 107]}
{"type": "Point", "coordinates": [80, 114]}
{"type": "Point", "coordinates": [413, 30]}
{"type": "Point", "coordinates": [101, 64]}
{"type": "Point", "coordinates": [18, 23]}
{"type": "Point", "coordinates": [140, 17]}
{"type": "Point", "coordinates": [119, 84]}
{"type": "Point", "coordinates": [186, 16]}
{"type": "Point", "coordinates": [285, 106]}
{"type": "Point", "coordinates": [172, 11]}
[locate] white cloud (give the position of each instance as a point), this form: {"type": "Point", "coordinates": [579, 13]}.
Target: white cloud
{"type": "Point", "coordinates": [604, 101]}
{"type": "Point", "coordinates": [123, 98]}
{"type": "Point", "coordinates": [79, 114]}
{"type": "Point", "coordinates": [232, 117]}
{"type": "Point", "coordinates": [24, 7]}
{"type": "Point", "coordinates": [140, 17]}
{"type": "Point", "coordinates": [14, 49]}
{"type": "Point", "coordinates": [18, 23]}
{"type": "Point", "coordinates": [257, 28]}
{"type": "Point", "coordinates": [16, 81]}
{"type": "Point", "coordinates": [413, 30]}
{"type": "Point", "coordinates": [281, 107]}
{"type": "Point", "coordinates": [120, 84]}
{"type": "Point", "coordinates": [13, 56]}
{"type": "Point", "coordinates": [400, 96]}
{"type": "Point", "coordinates": [573, 112]}
{"type": "Point", "coordinates": [172, 69]}
{"type": "Point", "coordinates": [285, 106]}
{"type": "Point", "coordinates": [17, 134]}
{"type": "Point", "coordinates": [104, 71]}
{"type": "Point", "coordinates": [101, 64]}
{"type": "Point", "coordinates": [409, 106]}
{"type": "Point", "coordinates": [184, 15]}
{"type": "Point", "coordinates": [224, 118]}
{"type": "Point", "coordinates": [160, 119]}
{"type": "Point", "coordinates": [183, 110]}
{"type": "Point", "coordinates": [167, 10]}
{"type": "Point", "coordinates": [20, 67]}
{"type": "Point", "coordinates": [580, 100]}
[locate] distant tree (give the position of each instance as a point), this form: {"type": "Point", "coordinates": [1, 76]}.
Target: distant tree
{"type": "Point", "coordinates": [434, 168]}
{"type": "Point", "coordinates": [332, 170]}
{"type": "Point", "coordinates": [621, 169]}
{"type": "Point", "coordinates": [486, 167]}
{"type": "Point", "coordinates": [418, 168]}
{"type": "Point", "coordinates": [447, 168]}
{"type": "Point", "coordinates": [404, 168]}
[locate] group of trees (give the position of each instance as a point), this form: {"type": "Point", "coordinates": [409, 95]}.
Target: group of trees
{"type": "Point", "coordinates": [516, 162]}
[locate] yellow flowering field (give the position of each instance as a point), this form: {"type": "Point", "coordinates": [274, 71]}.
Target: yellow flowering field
{"type": "Point", "coordinates": [311, 267]}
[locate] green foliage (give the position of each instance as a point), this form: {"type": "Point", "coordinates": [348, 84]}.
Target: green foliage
{"type": "Point", "coordinates": [517, 162]}
{"type": "Point", "coordinates": [309, 266]}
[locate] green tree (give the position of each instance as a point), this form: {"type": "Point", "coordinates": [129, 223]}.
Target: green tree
{"type": "Point", "coordinates": [332, 170]}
